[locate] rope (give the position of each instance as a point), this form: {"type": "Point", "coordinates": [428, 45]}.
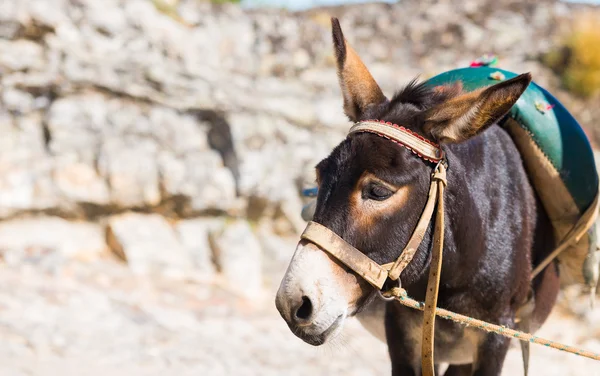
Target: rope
{"type": "Point", "coordinates": [400, 295]}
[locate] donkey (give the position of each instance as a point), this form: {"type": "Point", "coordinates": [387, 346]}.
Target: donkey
{"type": "Point", "coordinates": [371, 193]}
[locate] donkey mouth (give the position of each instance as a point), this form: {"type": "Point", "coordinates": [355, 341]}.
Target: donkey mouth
{"type": "Point", "coordinates": [319, 339]}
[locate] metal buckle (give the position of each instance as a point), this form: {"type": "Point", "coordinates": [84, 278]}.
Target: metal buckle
{"type": "Point", "coordinates": [443, 161]}
{"type": "Point", "coordinates": [389, 299]}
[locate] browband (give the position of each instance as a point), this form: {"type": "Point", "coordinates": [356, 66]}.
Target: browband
{"type": "Point", "coordinates": [412, 141]}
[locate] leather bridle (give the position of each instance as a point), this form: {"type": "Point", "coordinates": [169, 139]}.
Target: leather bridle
{"type": "Point", "coordinates": [377, 274]}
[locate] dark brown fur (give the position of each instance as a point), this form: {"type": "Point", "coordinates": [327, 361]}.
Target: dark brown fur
{"type": "Point", "coordinates": [495, 227]}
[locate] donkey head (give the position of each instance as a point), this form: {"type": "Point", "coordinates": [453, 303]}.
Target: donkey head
{"type": "Point", "coordinates": [372, 191]}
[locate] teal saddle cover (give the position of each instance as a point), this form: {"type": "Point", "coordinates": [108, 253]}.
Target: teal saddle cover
{"type": "Point", "coordinates": [550, 125]}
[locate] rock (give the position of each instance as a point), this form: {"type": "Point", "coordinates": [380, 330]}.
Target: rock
{"type": "Point", "coordinates": [473, 34]}
{"type": "Point", "coordinates": [130, 166]}
{"type": "Point", "coordinates": [79, 182]}
{"type": "Point", "coordinates": [201, 179]}
{"type": "Point", "coordinates": [108, 91]}
{"type": "Point", "coordinates": [301, 59]}
{"type": "Point", "coordinates": [77, 125]}
{"type": "Point", "coordinates": [288, 218]}
{"type": "Point", "coordinates": [74, 240]}
{"type": "Point", "coordinates": [25, 167]}
{"type": "Point", "coordinates": [238, 256]}
{"type": "Point", "coordinates": [181, 134]}
{"type": "Point", "coordinates": [505, 31]}
{"type": "Point", "coordinates": [293, 108]}
{"type": "Point", "coordinates": [22, 137]}
{"type": "Point", "coordinates": [20, 55]}
{"type": "Point", "coordinates": [27, 186]}
{"type": "Point", "coordinates": [277, 250]}
{"type": "Point", "coordinates": [18, 101]}
{"type": "Point", "coordinates": [194, 236]}
{"type": "Point", "coordinates": [331, 114]}
{"type": "Point", "coordinates": [108, 19]}
{"type": "Point", "coordinates": [268, 168]}
{"type": "Point", "coordinates": [149, 244]}
{"type": "Point", "coordinates": [9, 29]}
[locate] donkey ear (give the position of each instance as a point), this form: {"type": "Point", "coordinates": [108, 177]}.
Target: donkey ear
{"type": "Point", "coordinates": [358, 86]}
{"type": "Point", "coordinates": [467, 115]}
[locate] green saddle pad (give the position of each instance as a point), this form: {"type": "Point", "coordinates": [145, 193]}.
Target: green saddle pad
{"type": "Point", "coordinates": [555, 131]}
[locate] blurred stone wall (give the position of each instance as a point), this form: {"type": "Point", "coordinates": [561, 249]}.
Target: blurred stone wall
{"type": "Point", "coordinates": [179, 142]}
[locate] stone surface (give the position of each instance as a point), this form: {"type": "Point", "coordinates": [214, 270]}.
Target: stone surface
{"type": "Point", "coordinates": [132, 172]}
{"type": "Point", "coordinates": [199, 177]}
{"type": "Point", "coordinates": [20, 55]}
{"type": "Point", "coordinates": [76, 240]}
{"type": "Point", "coordinates": [238, 256]}
{"type": "Point", "coordinates": [149, 244]}
{"type": "Point", "coordinates": [100, 318]}
{"type": "Point", "coordinates": [118, 94]}
{"type": "Point", "coordinates": [79, 182]}
{"type": "Point", "coordinates": [194, 236]}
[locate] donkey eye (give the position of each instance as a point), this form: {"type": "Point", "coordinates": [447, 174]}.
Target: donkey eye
{"type": "Point", "coordinates": [377, 192]}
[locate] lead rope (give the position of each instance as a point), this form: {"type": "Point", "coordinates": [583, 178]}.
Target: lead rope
{"type": "Point", "coordinates": [433, 284]}
{"type": "Point", "coordinates": [401, 296]}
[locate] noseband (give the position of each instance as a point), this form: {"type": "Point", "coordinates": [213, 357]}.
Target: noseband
{"type": "Point", "coordinates": [377, 274]}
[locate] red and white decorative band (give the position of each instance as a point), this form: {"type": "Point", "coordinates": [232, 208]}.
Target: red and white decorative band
{"type": "Point", "coordinates": [405, 137]}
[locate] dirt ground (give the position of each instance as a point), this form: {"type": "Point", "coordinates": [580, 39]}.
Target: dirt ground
{"type": "Point", "coordinates": [80, 318]}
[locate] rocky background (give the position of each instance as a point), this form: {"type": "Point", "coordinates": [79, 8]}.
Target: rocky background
{"type": "Point", "coordinates": [151, 159]}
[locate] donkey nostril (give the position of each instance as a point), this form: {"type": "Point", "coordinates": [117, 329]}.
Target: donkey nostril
{"type": "Point", "coordinates": [305, 310]}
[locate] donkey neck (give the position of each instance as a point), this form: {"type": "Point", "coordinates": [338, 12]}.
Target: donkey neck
{"type": "Point", "coordinates": [479, 170]}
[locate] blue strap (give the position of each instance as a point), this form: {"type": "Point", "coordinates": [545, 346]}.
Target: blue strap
{"type": "Point", "coordinates": [310, 192]}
